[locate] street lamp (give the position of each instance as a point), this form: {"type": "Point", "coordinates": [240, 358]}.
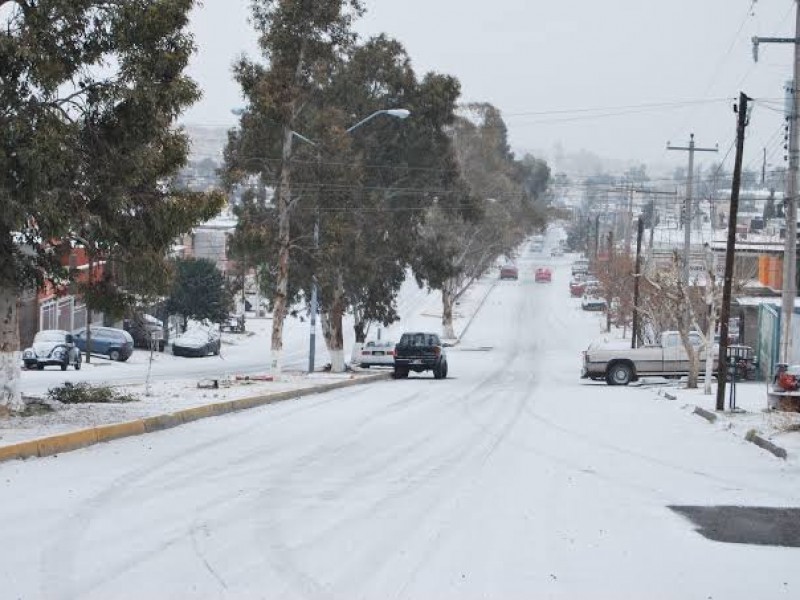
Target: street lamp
{"type": "Point", "coordinates": [397, 113]}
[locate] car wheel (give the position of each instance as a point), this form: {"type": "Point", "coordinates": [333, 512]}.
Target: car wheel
{"type": "Point", "coordinates": [64, 366]}
{"type": "Point", "coordinates": [78, 363]}
{"type": "Point", "coordinates": [444, 371]}
{"type": "Point", "coordinates": [40, 367]}
{"type": "Point", "coordinates": [437, 371]}
{"type": "Point", "coordinates": [619, 374]}
{"type": "Point", "coordinates": [400, 373]}
{"type": "Point", "coordinates": [114, 355]}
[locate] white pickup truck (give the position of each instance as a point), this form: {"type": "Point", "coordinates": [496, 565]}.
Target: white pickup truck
{"type": "Point", "coordinates": [619, 365]}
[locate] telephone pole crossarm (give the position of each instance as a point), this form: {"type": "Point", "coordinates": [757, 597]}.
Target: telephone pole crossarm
{"type": "Point", "coordinates": [687, 242]}
{"type": "Point", "coordinates": [770, 40]}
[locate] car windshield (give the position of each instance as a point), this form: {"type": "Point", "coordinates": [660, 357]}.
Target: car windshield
{"type": "Point", "coordinates": [196, 334]}
{"type": "Point", "coordinates": [49, 336]}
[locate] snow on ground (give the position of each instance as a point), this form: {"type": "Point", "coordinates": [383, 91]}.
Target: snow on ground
{"type": "Point", "coordinates": [174, 379]}
{"type": "Point", "coordinates": [165, 397]}
{"type": "Point", "coordinates": [511, 479]}
{"type": "Point", "coordinates": [750, 413]}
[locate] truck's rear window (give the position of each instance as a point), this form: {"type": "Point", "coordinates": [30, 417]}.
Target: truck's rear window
{"type": "Point", "coordinates": [419, 339]}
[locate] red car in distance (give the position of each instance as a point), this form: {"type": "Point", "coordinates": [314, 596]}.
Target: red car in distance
{"type": "Point", "coordinates": [577, 288]}
{"type": "Point", "coordinates": [509, 272]}
{"type": "Point", "coordinates": [543, 275]}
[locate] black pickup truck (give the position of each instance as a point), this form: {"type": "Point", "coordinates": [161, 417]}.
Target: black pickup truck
{"type": "Point", "coordinates": [418, 352]}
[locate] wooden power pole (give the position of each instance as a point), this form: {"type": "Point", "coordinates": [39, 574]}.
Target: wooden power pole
{"type": "Point", "coordinates": [637, 276]}
{"type": "Point", "coordinates": [730, 252]}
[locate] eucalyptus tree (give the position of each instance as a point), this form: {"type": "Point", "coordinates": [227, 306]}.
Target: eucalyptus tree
{"type": "Point", "coordinates": [402, 167]}
{"type": "Point", "coordinates": [365, 187]}
{"type": "Point", "coordinates": [299, 42]}
{"type": "Point", "coordinates": [90, 93]}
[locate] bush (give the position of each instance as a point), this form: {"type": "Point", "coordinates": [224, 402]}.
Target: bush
{"type": "Point", "coordinates": [83, 393]}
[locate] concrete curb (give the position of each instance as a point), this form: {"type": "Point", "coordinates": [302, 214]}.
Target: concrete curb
{"type": "Point", "coordinates": [83, 438]}
{"type": "Point", "coordinates": [706, 414]}
{"type": "Point", "coordinates": [761, 442]}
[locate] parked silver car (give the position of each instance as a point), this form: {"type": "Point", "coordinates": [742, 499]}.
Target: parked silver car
{"type": "Point", "coordinates": [375, 353]}
{"type": "Point", "coordinates": [52, 347]}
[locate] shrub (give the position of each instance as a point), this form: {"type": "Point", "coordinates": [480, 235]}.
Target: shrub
{"type": "Point", "coordinates": [83, 393]}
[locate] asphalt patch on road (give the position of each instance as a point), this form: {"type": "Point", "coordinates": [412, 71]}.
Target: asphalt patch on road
{"type": "Point", "coordinates": [757, 525]}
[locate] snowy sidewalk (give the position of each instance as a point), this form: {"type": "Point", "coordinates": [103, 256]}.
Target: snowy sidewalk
{"type": "Point", "coordinates": [750, 415]}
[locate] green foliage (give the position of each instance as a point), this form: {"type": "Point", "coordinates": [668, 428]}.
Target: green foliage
{"type": "Point", "coordinates": [199, 291]}
{"type": "Point", "coordinates": [84, 393]}
{"type": "Point", "coordinates": [91, 90]}
{"type": "Point", "coordinates": [370, 188]}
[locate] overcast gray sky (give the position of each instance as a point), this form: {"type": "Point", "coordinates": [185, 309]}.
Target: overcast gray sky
{"type": "Point", "coordinates": [585, 74]}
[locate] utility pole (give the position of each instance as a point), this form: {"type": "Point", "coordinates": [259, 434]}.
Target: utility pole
{"type": "Point", "coordinates": [312, 342]}
{"type": "Point", "coordinates": [596, 236]}
{"type": "Point", "coordinates": [609, 262]}
{"type": "Point", "coordinates": [627, 226]}
{"type": "Point", "coordinates": [687, 240]}
{"type": "Point", "coordinates": [652, 228]}
{"type": "Point", "coordinates": [789, 291]}
{"type": "Point", "coordinates": [636, 278]}
{"type": "Point", "coordinates": [730, 251]}
{"type": "Point", "coordinates": [713, 209]}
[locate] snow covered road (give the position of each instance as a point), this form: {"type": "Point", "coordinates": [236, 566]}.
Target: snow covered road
{"type": "Point", "coordinates": [511, 479]}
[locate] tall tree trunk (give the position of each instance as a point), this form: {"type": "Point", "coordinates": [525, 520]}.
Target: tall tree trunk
{"type": "Point", "coordinates": [360, 330]}
{"type": "Point", "coordinates": [694, 357]}
{"type": "Point", "coordinates": [10, 397]}
{"type": "Point", "coordinates": [282, 281]}
{"type": "Point", "coordinates": [325, 324]}
{"type": "Point", "coordinates": [448, 300]}
{"type": "Point", "coordinates": [336, 347]}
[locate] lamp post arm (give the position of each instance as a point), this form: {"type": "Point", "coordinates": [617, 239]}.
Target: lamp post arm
{"type": "Point", "coordinates": [365, 120]}
{"type": "Point", "coordinates": [303, 138]}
